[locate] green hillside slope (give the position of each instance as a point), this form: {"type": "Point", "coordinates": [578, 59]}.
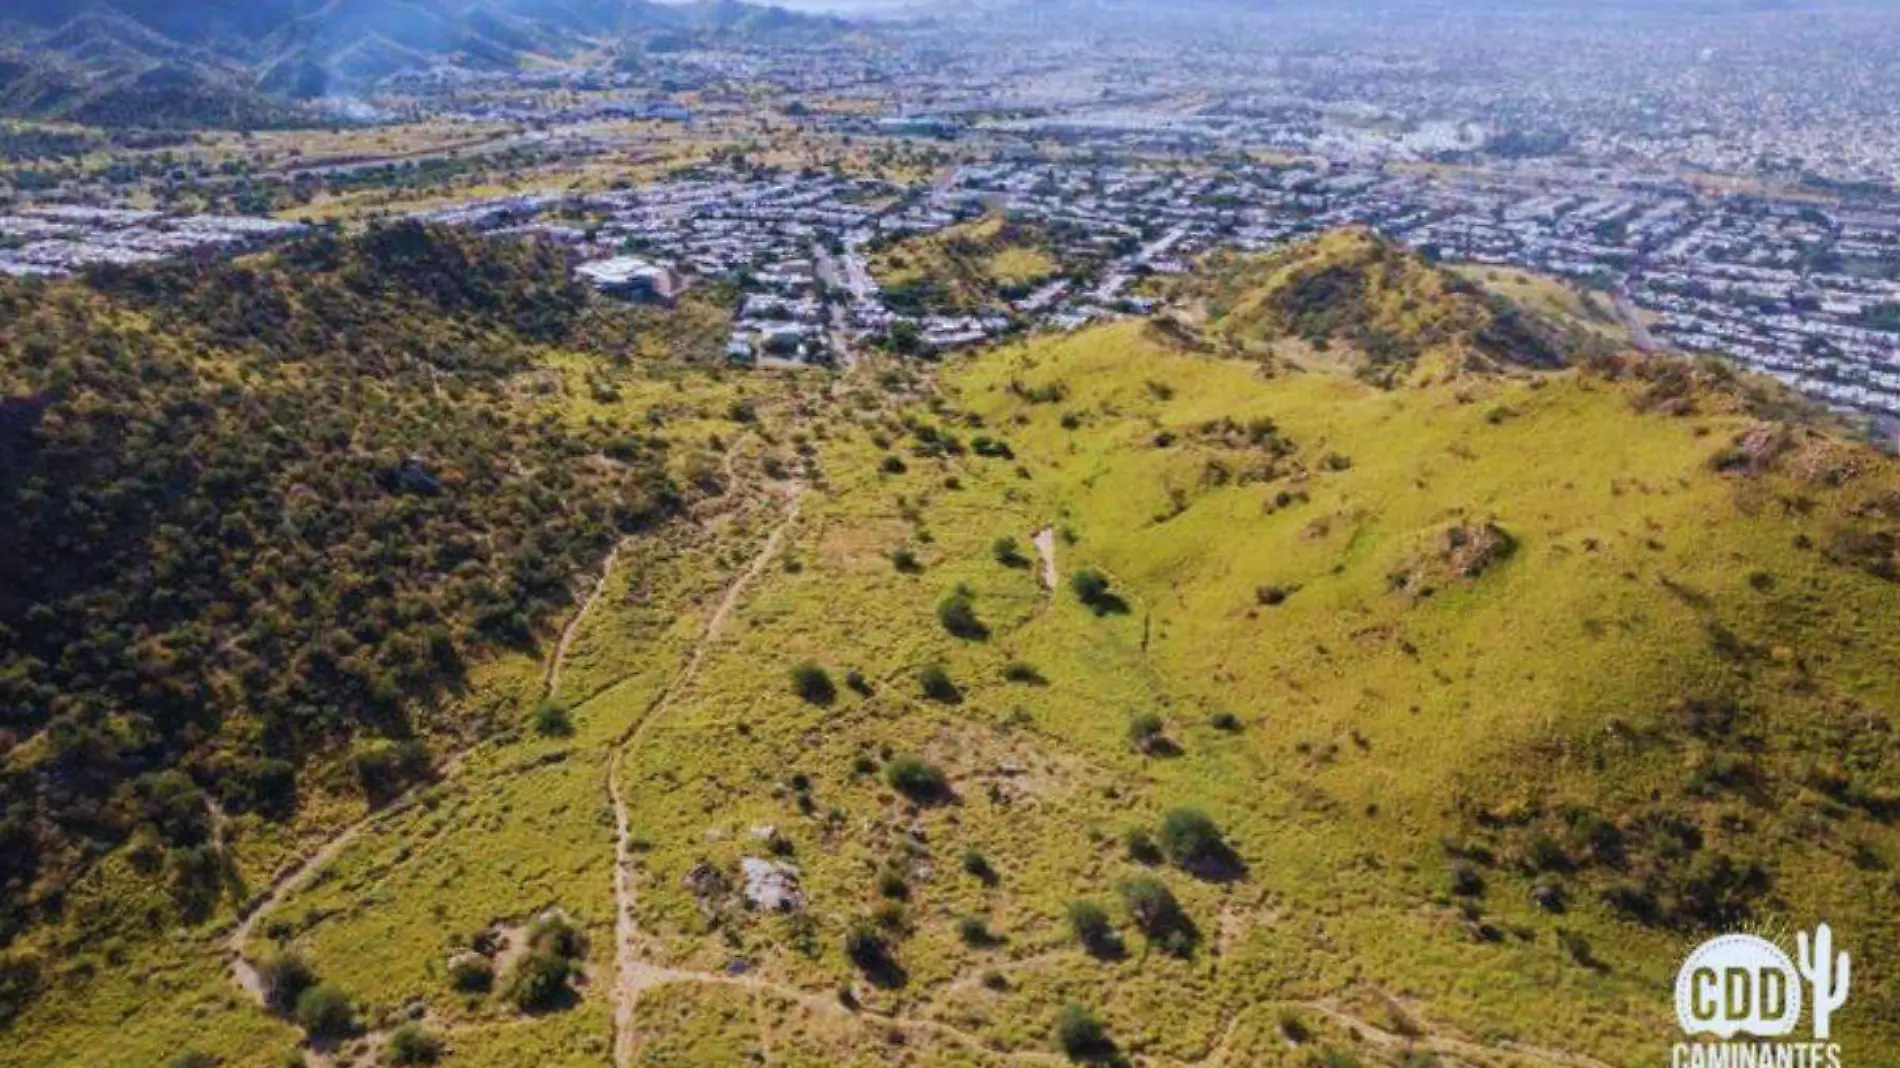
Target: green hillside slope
{"type": "Point", "coordinates": [1135, 694]}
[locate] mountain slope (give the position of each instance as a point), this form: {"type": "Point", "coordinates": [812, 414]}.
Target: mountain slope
{"type": "Point", "coordinates": [1399, 314]}
{"type": "Point", "coordinates": [241, 548]}
{"type": "Point", "coordinates": [1378, 723]}
{"type": "Point", "coordinates": [165, 63]}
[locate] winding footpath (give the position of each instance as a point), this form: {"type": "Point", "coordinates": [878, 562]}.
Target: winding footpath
{"type": "Point", "coordinates": [551, 684]}
{"type": "Point", "coordinates": [633, 974]}
{"type": "Point", "coordinates": [294, 878]}
{"type": "Point", "coordinates": [635, 971]}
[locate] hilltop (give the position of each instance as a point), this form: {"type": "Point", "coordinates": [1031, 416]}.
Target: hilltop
{"type": "Point", "coordinates": [979, 266]}
{"type": "Point", "coordinates": [1402, 315]}
{"type": "Point", "coordinates": [1156, 691]}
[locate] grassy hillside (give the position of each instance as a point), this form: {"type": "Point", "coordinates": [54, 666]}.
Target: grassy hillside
{"type": "Point", "coordinates": [262, 521]}
{"type": "Point", "coordinates": [1399, 316]}
{"type": "Point", "coordinates": [979, 266]}
{"type": "Point", "coordinates": [1112, 697]}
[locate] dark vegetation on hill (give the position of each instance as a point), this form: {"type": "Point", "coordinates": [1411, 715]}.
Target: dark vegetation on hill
{"type": "Point", "coordinates": [259, 512]}
{"type": "Point", "coordinates": [1397, 310]}
{"type": "Point", "coordinates": [976, 267]}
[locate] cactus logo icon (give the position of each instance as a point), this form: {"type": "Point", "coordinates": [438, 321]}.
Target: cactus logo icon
{"type": "Point", "coordinates": [1745, 986]}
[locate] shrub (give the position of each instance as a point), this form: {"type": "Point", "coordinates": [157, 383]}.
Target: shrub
{"type": "Point", "coordinates": [1080, 1034]}
{"type": "Point", "coordinates": [1294, 1029]}
{"type": "Point", "coordinates": [892, 885]}
{"type": "Point", "coordinates": [1147, 731]}
{"type": "Point", "coordinates": [551, 720]}
{"type": "Point", "coordinates": [1192, 840]}
{"type": "Point", "coordinates": [858, 683]}
{"type": "Point", "coordinates": [540, 978]}
{"type": "Point", "coordinates": [554, 932]}
{"type": "Point", "coordinates": [984, 445]}
{"type": "Point", "coordinates": [1154, 909]}
{"type": "Point", "coordinates": [385, 768]}
{"type": "Point", "coordinates": [1465, 880]}
{"type": "Point", "coordinates": [957, 613]}
{"type": "Point", "coordinates": [539, 981]}
{"type": "Point", "coordinates": [868, 948]}
{"type": "Point", "coordinates": [1545, 854]}
{"type": "Point", "coordinates": [937, 685]}
{"type": "Point", "coordinates": [285, 977]}
{"type": "Point", "coordinates": [1142, 848]}
{"type": "Point", "coordinates": [1090, 924]}
{"type": "Point", "coordinates": [904, 559]}
{"type": "Point", "coordinates": [975, 931]}
{"type": "Point", "coordinates": [324, 1012]}
{"type": "Point", "coordinates": [191, 1058]}
{"type": "Point", "coordinates": [1008, 553]}
{"type": "Point", "coordinates": [1022, 671]}
{"type": "Point", "coordinates": [471, 973]}
{"type": "Point", "coordinates": [978, 865]}
{"type": "Point", "coordinates": [813, 683]}
{"type": "Point", "coordinates": [1224, 721]}
{"type": "Point", "coordinates": [892, 465]}
{"type": "Point", "coordinates": [411, 1045]}
{"type": "Point", "coordinates": [1090, 586]}
{"type": "Point", "coordinates": [922, 782]}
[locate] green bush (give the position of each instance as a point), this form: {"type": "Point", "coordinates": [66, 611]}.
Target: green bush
{"type": "Point", "coordinates": [813, 683]}
{"type": "Point", "coordinates": [410, 1044]}
{"type": "Point", "coordinates": [539, 981]}
{"type": "Point", "coordinates": [1146, 730]}
{"type": "Point", "coordinates": [1091, 926]}
{"type": "Point", "coordinates": [1192, 840]}
{"type": "Point", "coordinates": [1023, 672]}
{"type": "Point", "coordinates": [1155, 911]}
{"type": "Point", "coordinates": [1224, 721]}
{"type": "Point", "coordinates": [1081, 1036]}
{"type": "Point", "coordinates": [551, 720]}
{"type": "Point", "coordinates": [284, 976]}
{"type": "Point", "coordinates": [1008, 553]}
{"type": "Point", "coordinates": [471, 973]}
{"type": "Point", "coordinates": [1089, 585]}
{"type": "Point", "coordinates": [922, 782]}
{"type": "Point", "coordinates": [1141, 847]}
{"type": "Point", "coordinates": [191, 1058]}
{"type": "Point", "coordinates": [869, 949]}
{"type": "Point", "coordinates": [1093, 589]}
{"type": "Point", "coordinates": [978, 865]}
{"type": "Point", "coordinates": [937, 685]}
{"type": "Point", "coordinates": [1465, 880]}
{"type": "Point", "coordinates": [957, 613]}
{"type": "Point", "coordinates": [323, 1011]}
{"type": "Point", "coordinates": [975, 931]}
{"type": "Point", "coordinates": [554, 932]}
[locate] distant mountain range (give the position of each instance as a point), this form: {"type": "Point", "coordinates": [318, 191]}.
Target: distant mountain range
{"type": "Point", "coordinates": [262, 62]}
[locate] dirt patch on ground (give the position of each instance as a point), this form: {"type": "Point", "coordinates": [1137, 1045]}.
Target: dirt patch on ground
{"type": "Point", "coordinates": [862, 546]}
{"type": "Point", "coordinates": [1461, 552]}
